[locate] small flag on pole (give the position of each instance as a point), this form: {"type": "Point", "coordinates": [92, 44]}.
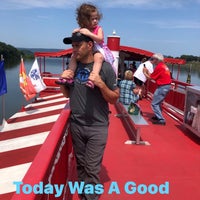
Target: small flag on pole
{"type": "Point", "coordinates": [35, 77]}
{"type": "Point", "coordinates": [26, 85]}
{"type": "Point", "coordinates": [3, 84]}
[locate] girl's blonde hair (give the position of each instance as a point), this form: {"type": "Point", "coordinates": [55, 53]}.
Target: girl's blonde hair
{"type": "Point", "coordinates": [84, 12]}
{"type": "Point", "coordinates": [128, 75]}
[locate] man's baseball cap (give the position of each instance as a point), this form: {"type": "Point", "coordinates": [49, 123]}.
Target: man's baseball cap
{"type": "Point", "coordinates": [77, 37]}
{"type": "Point", "coordinates": [158, 56]}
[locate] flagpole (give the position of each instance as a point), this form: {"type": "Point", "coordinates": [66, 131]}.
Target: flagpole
{"type": "Point", "coordinates": [3, 112]}
{"type": "Point", "coordinates": [24, 102]}
{"type": "Point", "coordinates": [23, 107]}
{"type": "Point", "coordinates": [3, 106]}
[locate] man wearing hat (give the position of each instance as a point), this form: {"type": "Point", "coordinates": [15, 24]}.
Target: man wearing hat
{"type": "Point", "coordinates": [89, 118]}
{"type": "Point", "coordinates": [162, 76]}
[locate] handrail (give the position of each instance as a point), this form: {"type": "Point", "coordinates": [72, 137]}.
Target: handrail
{"type": "Point", "coordinates": [180, 83]}
{"type": "Point", "coordinates": [48, 74]}
{"type": "Point", "coordinates": [175, 99]}
{"type": "Point", "coordinates": [55, 155]}
{"type": "Point", "coordinates": [132, 130]}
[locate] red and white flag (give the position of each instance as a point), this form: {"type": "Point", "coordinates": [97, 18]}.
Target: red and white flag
{"type": "Point", "coordinates": [26, 85]}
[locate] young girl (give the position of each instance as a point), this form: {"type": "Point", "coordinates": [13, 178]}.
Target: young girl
{"type": "Point", "coordinates": [129, 92]}
{"type": "Point", "coordinates": [88, 17]}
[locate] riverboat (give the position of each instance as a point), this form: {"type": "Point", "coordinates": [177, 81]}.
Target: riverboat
{"type": "Point", "coordinates": [141, 161]}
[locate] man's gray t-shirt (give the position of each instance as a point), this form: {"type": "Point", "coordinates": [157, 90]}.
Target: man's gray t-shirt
{"type": "Point", "coordinates": [88, 107]}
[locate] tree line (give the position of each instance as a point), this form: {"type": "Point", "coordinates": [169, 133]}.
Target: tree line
{"type": "Point", "coordinates": [190, 58]}
{"type": "Point", "coordinates": [12, 54]}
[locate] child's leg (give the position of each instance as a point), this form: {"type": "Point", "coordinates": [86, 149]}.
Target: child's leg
{"type": "Point", "coordinates": [68, 74]}
{"type": "Point", "coordinates": [98, 60]}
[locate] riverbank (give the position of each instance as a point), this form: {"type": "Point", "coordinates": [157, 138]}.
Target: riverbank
{"type": "Point", "coordinates": [14, 99]}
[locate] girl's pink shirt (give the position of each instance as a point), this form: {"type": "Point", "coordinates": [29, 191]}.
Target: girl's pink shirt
{"type": "Point", "coordinates": [95, 31]}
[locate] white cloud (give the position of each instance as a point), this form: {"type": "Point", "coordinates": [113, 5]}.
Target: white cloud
{"type": "Point", "coordinates": [176, 24]}
{"type": "Point", "coordinates": [143, 3]}
{"type": "Point", "coordinates": [27, 4]}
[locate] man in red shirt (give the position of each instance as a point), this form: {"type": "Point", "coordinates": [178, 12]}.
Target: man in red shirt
{"type": "Point", "coordinates": [162, 76]}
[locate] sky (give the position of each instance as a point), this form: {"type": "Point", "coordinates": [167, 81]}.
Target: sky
{"type": "Point", "coordinates": [168, 27]}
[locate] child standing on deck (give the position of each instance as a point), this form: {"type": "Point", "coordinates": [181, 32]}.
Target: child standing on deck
{"type": "Point", "coordinates": [129, 93]}
{"type": "Point", "coordinates": [88, 17]}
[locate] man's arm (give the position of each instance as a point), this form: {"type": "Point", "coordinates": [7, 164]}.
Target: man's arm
{"type": "Point", "coordinates": [66, 74]}
{"type": "Point", "coordinates": [146, 73]}
{"type": "Point", "coordinates": [64, 90]}
{"type": "Point", "coordinates": [110, 96]}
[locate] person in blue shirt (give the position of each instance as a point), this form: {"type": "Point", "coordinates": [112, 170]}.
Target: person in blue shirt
{"type": "Point", "coordinates": [129, 93]}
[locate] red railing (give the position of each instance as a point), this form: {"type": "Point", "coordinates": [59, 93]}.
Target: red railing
{"type": "Point", "coordinates": [53, 164]}
{"type": "Point", "coordinates": [49, 80]}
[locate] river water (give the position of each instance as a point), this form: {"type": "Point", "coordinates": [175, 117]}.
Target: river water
{"type": "Point", "coordinates": [14, 98]}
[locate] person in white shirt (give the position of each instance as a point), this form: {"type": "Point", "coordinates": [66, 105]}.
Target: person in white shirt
{"type": "Point", "coordinates": [139, 76]}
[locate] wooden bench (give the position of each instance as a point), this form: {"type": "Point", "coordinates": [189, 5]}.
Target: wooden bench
{"type": "Point", "coordinates": [132, 124]}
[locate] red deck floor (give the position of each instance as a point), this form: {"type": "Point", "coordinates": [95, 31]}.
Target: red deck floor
{"type": "Point", "coordinates": [173, 156]}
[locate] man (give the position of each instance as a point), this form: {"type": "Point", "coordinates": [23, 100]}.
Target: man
{"type": "Point", "coordinates": [89, 110]}
{"type": "Point", "coordinates": [162, 76]}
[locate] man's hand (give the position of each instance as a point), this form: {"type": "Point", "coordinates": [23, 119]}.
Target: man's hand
{"type": "Point", "coordinates": [110, 96]}
{"type": "Point", "coordinates": [69, 74]}
{"type": "Point", "coordinates": [96, 79]}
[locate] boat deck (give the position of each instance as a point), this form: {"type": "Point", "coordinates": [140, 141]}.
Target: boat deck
{"type": "Point", "coordinates": [172, 156]}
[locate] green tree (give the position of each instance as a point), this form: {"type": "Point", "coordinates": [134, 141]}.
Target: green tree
{"type": "Point", "coordinates": [12, 54]}
{"type": "Point", "coordinates": [190, 58]}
